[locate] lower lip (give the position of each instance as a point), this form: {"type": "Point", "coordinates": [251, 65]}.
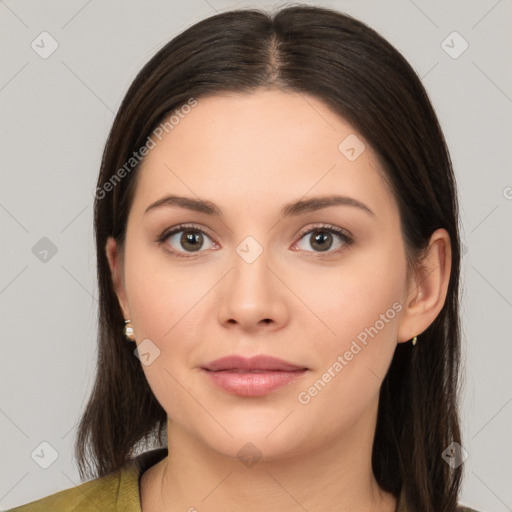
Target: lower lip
{"type": "Point", "coordinates": [253, 384]}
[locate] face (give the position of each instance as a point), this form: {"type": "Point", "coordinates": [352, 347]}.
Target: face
{"type": "Point", "coordinates": [271, 272]}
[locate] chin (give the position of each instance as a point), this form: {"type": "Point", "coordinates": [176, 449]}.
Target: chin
{"type": "Point", "coordinates": [262, 440]}
{"type": "Point", "coordinates": [250, 449]}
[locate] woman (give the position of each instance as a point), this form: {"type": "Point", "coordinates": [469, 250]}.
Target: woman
{"type": "Point", "coordinates": [278, 266]}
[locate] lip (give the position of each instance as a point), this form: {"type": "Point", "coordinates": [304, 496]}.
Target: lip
{"type": "Point", "coordinates": [261, 362]}
{"type": "Point", "coordinates": [251, 377]}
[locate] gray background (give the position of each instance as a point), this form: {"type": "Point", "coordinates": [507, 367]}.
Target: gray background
{"type": "Point", "coordinates": [55, 116]}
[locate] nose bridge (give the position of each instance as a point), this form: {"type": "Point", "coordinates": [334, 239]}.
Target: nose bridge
{"type": "Point", "coordinates": [251, 293]}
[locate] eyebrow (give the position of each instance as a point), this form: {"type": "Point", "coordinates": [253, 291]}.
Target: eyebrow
{"type": "Point", "coordinates": [290, 209]}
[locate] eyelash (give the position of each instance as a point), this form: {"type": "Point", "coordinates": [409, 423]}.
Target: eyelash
{"type": "Point", "coordinates": [329, 228]}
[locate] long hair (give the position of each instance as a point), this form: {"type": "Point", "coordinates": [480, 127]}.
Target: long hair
{"type": "Point", "coordinates": [360, 76]}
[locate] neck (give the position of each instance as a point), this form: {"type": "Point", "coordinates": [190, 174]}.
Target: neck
{"type": "Point", "coordinates": [194, 477]}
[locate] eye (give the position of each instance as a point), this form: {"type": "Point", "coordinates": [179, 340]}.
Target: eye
{"type": "Point", "coordinates": [322, 238]}
{"type": "Point", "coordinates": [185, 239]}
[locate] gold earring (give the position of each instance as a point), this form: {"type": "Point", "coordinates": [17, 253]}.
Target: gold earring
{"type": "Point", "coordinates": [414, 340]}
{"type": "Point", "coordinates": [128, 331]}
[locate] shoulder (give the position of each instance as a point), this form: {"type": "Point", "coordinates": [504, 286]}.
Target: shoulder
{"type": "Point", "coordinates": [118, 490]}
{"type": "Point", "coordinates": [98, 494]}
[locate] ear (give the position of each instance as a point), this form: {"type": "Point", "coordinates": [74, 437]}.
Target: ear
{"type": "Point", "coordinates": [427, 287]}
{"type": "Point", "coordinates": [115, 261]}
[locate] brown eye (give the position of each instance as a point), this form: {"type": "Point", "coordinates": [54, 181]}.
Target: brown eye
{"type": "Point", "coordinates": [191, 240]}
{"type": "Point", "coordinates": [183, 240]}
{"type": "Point", "coordinates": [323, 239]}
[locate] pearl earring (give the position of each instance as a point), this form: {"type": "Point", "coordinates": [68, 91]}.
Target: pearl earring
{"type": "Point", "coordinates": [128, 331]}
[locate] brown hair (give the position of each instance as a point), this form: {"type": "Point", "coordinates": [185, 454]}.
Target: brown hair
{"type": "Point", "coordinates": [360, 76]}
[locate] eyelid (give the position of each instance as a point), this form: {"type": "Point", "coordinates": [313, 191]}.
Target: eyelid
{"type": "Point", "coordinates": [184, 227]}
{"type": "Point", "coordinates": [343, 234]}
{"type": "Point", "coordinates": [327, 227]}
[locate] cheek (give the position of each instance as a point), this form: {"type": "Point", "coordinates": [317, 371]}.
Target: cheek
{"type": "Point", "coordinates": [355, 294]}
{"type": "Point", "coordinates": [164, 305]}
{"type": "Point", "coordinates": [163, 295]}
{"type": "Point", "coordinates": [360, 302]}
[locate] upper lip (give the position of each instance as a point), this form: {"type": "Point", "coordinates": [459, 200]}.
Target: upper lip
{"type": "Point", "coordinates": [261, 362]}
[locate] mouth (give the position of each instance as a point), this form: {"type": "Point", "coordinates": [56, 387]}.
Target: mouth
{"type": "Point", "coordinates": [252, 377]}
{"type": "Point", "coordinates": [257, 364]}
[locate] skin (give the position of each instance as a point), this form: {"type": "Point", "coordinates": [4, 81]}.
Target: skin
{"type": "Point", "coordinates": [251, 155]}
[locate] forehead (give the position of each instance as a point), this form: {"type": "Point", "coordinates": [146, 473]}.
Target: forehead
{"type": "Point", "coordinates": [259, 148]}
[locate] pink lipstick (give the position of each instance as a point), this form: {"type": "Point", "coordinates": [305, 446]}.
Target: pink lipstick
{"type": "Point", "coordinates": [252, 377]}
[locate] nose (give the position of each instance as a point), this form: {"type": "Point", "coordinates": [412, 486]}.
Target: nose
{"type": "Point", "coordinates": [252, 298]}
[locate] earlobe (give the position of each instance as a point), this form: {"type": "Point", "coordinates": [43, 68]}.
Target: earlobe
{"type": "Point", "coordinates": [428, 287]}
{"type": "Point", "coordinates": [116, 270]}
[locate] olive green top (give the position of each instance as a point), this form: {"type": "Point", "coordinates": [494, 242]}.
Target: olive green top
{"type": "Point", "coordinates": [118, 491]}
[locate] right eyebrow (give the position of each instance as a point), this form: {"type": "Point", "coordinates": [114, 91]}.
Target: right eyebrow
{"type": "Point", "coordinates": [198, 205]}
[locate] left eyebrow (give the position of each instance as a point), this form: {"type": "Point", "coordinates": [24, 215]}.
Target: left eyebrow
{"type": "Point", "coordinates": [317, 203]}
